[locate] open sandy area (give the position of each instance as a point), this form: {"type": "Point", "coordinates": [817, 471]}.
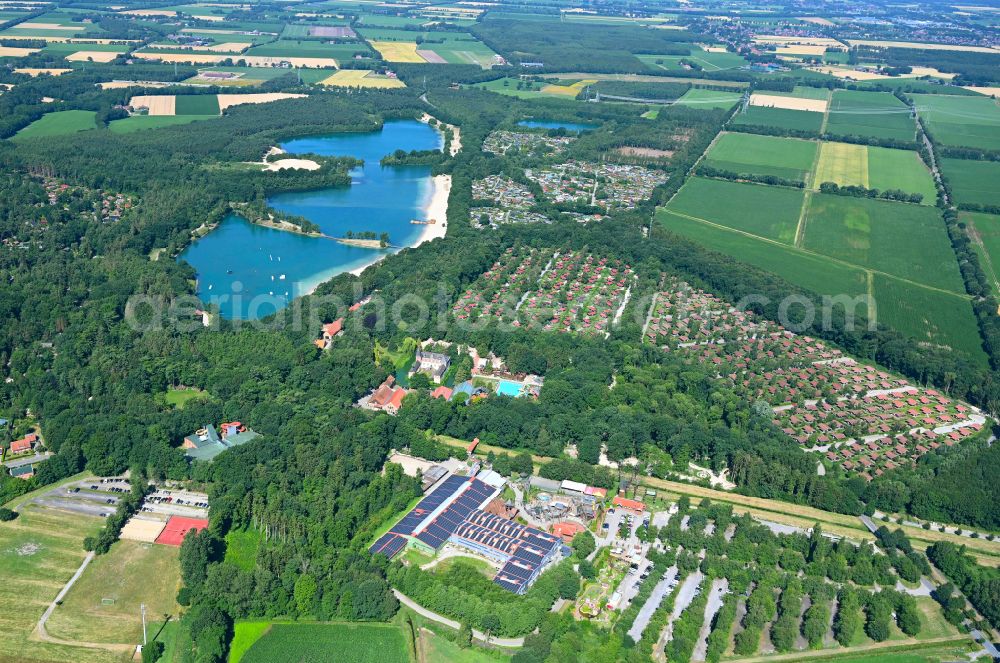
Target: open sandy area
{"type": "Point", "coordinates": [94, 56]}
{"type": "Point", "coordinates": [804, 49]}
{"type": "Point", "coordinates": [163, 104]}
{"type": "Point", "coordinates": [142, 530]}
{"type": "Point", "coordinates": [48, 26]}
{"type": "Point", "coordinates": [251, 60]}
{"type": "Point", "coordinates": [229, 100]}
{"type": "Point", "coordinates": [921, 45]}
{"type": "Point", "coordinates": [120, 85]}
{"type": "Point", "coordinates": [456, 133]}
{"type": "Point", "coordinates": [15, 52]}
{"type": "Point", "coordinates": [291, 164]}
{"type": "Point", "coordinates": [31, 71]}
{"type": "Point", "coordinates": [791, 103]}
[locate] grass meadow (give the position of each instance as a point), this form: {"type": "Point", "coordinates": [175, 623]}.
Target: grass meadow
{"type": "Point", "coordinates": [875, 114]}
{"type": "Point", "coordinates": [783, 118]}
{"type": "Point", "coordinates": [769, 212]}
{"type": "Point", "coordinates": [974, 182]}
{"type": "Point", "coordinates": [961, 121]}
{"type": "Point", "coordinates": [59, 123]}
{"type": "Point", "coordinates": [788, 158]}
{"type": "Point", "coordinates": [241, 548]}
{"type": "Point", "coordinates": [709, 99]}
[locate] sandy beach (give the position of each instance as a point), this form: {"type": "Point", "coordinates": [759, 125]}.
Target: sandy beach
{"type": "Point", "coordinates": [456, 133]}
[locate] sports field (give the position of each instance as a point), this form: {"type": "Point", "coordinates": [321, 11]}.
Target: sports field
{"type": "Point", "coordinates": [975, 182]}
{"type": "Point", "coordinates": [59, 123]}
{"type": "Point", "coordinates": [709, 99]}
{"type": "Point", "coordinates": [39, 553]}
{"type": "Point", "coordinates": [765, 211]}
{"type": "Point", "coordinates": [795, 120]}
{"type": "Point", "coordinates": [903, 240]}
{"type": "Point", "coordinates": [876, 114]}
{"type": "Point", "coordinates": [788, 158]}
{"type": "Point", "coordinates": [962, 121]}
{"type": "Point", "coordinates": [103, 605]}
{"type": "Point", "coordinates": [358, 643]}
{"type": "Point", "coordinates": [361, 78]}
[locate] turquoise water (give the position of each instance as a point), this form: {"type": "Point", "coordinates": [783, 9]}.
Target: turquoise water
{"type": "Point", "coordinates": [552, 124]}
{"type": "Point", "coordinates": [240, 266]}
{"type": "Point", "coordinates": [509, 388]}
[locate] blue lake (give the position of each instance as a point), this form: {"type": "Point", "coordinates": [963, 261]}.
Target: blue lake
{"type": "Point", "coordinates": [554, 124]}
{"type": "Point", "coordinates": [268, 268]}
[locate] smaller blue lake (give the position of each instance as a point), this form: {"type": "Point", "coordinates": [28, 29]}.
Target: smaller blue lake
{"type": "Point", "coordinates": [250, 271]}
{"type": "Point", "coordinates": [555, 124]}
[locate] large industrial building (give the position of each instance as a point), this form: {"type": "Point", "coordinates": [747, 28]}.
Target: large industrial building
{"type": "Point", "coordinates": [454, 513]}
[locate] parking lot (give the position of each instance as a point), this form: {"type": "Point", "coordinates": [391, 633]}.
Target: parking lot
{"type": "Point", "coordinates": [100, 496]}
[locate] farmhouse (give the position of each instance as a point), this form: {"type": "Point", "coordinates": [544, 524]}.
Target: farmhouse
{"type": "Point", "coordinates": [432, 364]}
{"type": "Point", "coordinates": [207, 443]}
{"type": "Point", "coordinates": [387, 397]}
{"type": "Point", "coordinates": [455, 513]}
{"type": "Point", "coordinates": [24, 445]}
{"type": "Point", "coordinates": [329, 331]}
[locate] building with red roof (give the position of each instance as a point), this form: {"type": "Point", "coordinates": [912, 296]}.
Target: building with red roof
{"type": "Point", "coordinates": [25, 444]}
{"type": "Point", "coordinates": [567, 530]}
{"type": "Point", "coordinates": [631, 505]}
{"type": "Point", "coordinates": [442, 392]}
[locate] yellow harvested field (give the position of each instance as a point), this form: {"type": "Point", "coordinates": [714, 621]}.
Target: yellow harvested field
{"type": "Point", "coordinates": [215, 31]}
{"type": "Point", "coordinates": [14, 52]}
{"type": "Point", "coordinates": [142, 530]}
{"type": "Point", "coordinates": [120, 85]}
{"type": "Point", "coordinates": [251, 60]}
{"type": "Point", "coordinates": [921, 45]}
{"type": "Point", "coordinates": [163, 104]}
{"type": "Point", "coordinates": [803, 49]}
{"type": "Point", "coordinates": [816, 20]}
{"type": "Point", "coordinates": [988, 91]}
{"type": "Point", "coordinates": [790, 103]}
{"type": "Point", "coordinates": [398, 51]}
{"type": "Point", "coordinates": [62, 39]}
{"type": "Point", "coordinates": [361, 78]}
{"type": "Point", "coordinates": [843, 164]}
{"type": "Point", "coordinates": [807, 41]}
{"type": "Point", "coordinates": [48, 26]}
{"type": "Point", "coordinates": [568, 90]}
{"type": "Point", "coordinates": [848, 73]}
{"type": "Point", "coordinates": [149, 12]}
{"type": "Point", "coordinates": [229, 100]}
{"type": "Point", "coordinates": [209, 17]}
{"type": "Point", "coordinates": [929, 71]}
{"type": "Point", "coordinates": [31, 71]}
{"type": "Point", "coordinates": [94, 56]}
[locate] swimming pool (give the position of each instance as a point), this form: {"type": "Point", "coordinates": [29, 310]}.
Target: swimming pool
{"type": "Point", "coordinates": [509, 388]}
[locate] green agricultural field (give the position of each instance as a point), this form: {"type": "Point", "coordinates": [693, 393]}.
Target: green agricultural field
{"type": "Point", "coordinates": [783, 118]}
{"type": "Point", "coordinates": [462, 49]}
{"type": "Point", "coordinates": [875, 114]}
{"type": "Point", "coordinates": [59, 123]}
{"type": "Point", "coordinates": [816, 273]}
{"type": "Point", "coordinates": [706, 60]}
{"type": "Point", "coordinates": [358, 643]}
{"type": "Point", "coordinates": [800, 92]}
{"type": "Point", "coordinates": [141, 122]}
{"type": "Point", "coordinates": [984, 230]}
{"type": "Point", "coordinates": [974, 182]}
{"type": "Point", "coordinates": [764, 211]}
{"type": "Point", "coordinates": [908, 241]}
{"type": "Point", "coordinates": [39, 552]}
{"type": "Point", "coordinates": [103, 605]}
{"type": "Point", "coordinates": [196, 104]}
{"type": "Point", "coordinates": [900, 169]}
{"type": "Point", "coordinates": [961, 121]}
{"type": "Point", "coordinates": [709, 99]}
{"type": "Point", "coordinates": [928, 315]}
{"type": "Point", "coordinates": [788, 158]}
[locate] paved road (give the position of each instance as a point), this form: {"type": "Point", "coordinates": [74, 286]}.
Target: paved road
{"type": "Point", "coordinates": [451, 623]}
{"type": "Point", "coordinates": [27, 460]}
{"type": "Point", "coordinates": [652, 603]}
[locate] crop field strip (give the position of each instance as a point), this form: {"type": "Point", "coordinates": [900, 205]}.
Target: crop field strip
{"type": "Point", "coordinates": [984, 232]}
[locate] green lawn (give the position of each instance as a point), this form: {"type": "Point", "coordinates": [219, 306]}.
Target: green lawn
{"type": "Point", "coordinates": [709, 99]}
{"type": "Point", "coordinates": [901, 169]}
{"type": "Point", "coordinates": [961, 121]}
{"type": "Point", "coordinates": [974, 182]}
{"type": "Point", "coordinates": [877, 114]}
{"type": "Point", "coordinates": [788, 158]}
{"type": "Point", "coordinates": [196, 104]}
{"type": "Point", "coordinates": [178, 398]}
{"type": "Point", "coordinates": [904, 240]}
{"type": "Point", "coordinates": [245, 634]}
{"type": "Point", "coordinates": [769, 212]}
{"type": "Point", "coordinates": [296, 642]}
{"type": "Point", "coordinates": [141, 122]}
{"type": "Point", "coordinates": [782, 118]}
{"type": "Point", "coordinates": [241, 548]}
{"type": "Point", "coordinates": [59, 123]}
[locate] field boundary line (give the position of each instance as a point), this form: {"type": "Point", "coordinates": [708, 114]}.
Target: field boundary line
{"type": "Point", "coordinates": [826, 113]}
{"type": "Point", "coordinates": [821, 256]}
{"type": "Point", "coordinates": [977, 238]}
{"type": "Point", "coordinates": [800, 227]}
{"type": "Point", "coordinates": [904, 646]}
